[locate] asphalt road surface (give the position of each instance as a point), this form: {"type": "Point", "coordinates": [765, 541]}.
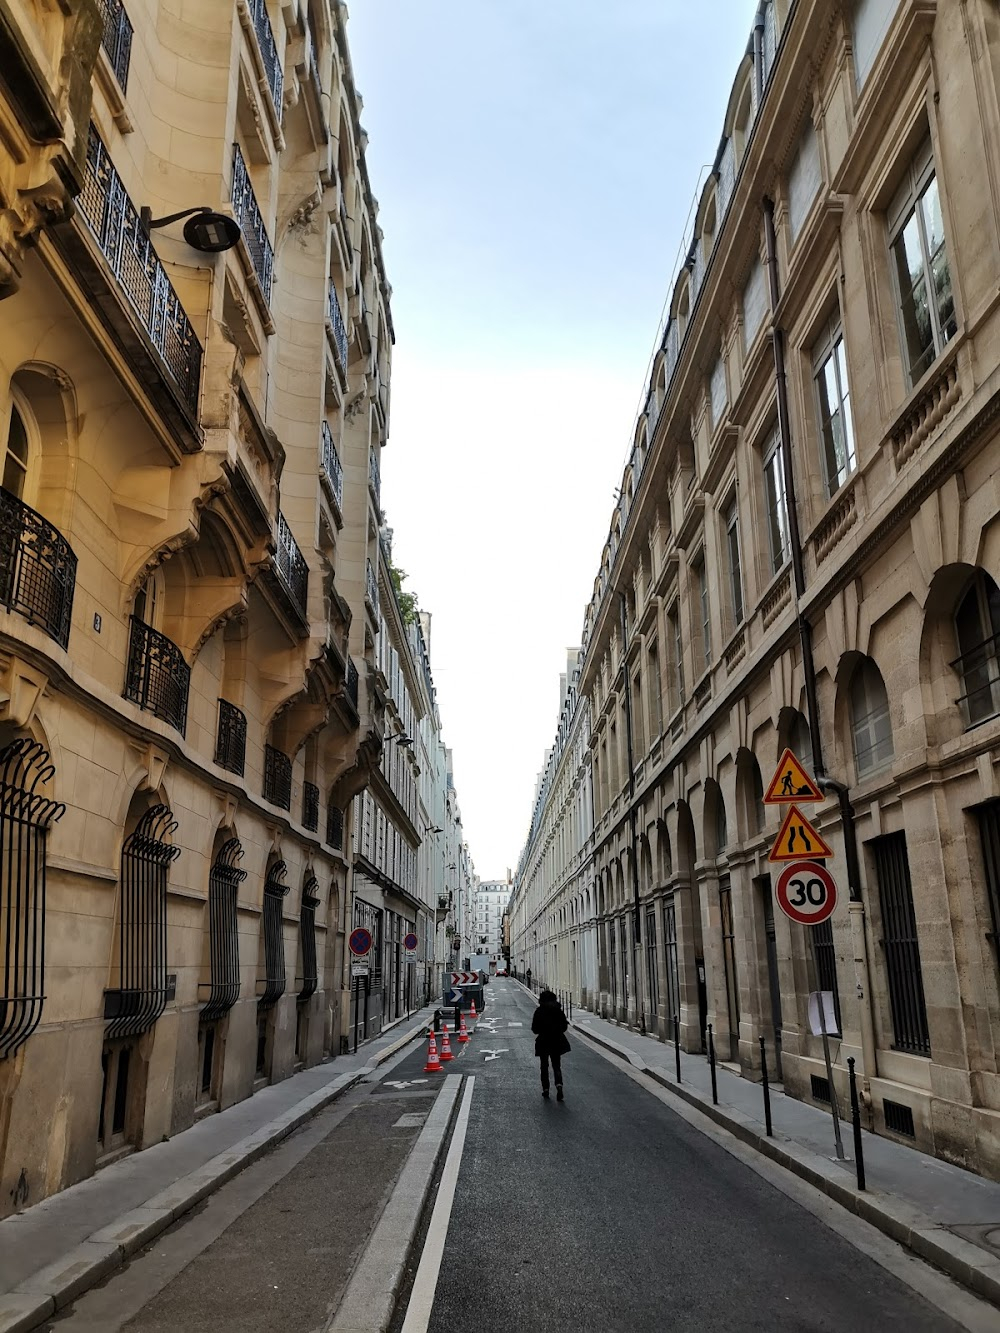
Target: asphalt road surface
{"type": "Point", "coordinates": [607, 1211]}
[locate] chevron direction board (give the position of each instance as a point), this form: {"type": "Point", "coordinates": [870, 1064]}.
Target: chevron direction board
{"type": "Point", "coordinates": [464, 978]}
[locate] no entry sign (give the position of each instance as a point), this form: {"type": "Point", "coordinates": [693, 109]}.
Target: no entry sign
{"type": "Point", "coordinates": [360, 941]}
{"type": "Point", "coordinates": [806, 892]}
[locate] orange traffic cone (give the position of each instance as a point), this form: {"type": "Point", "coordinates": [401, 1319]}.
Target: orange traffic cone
{"type": "Point", "coordinates": [445, 1044]}
{"type": "Point", "coordinates": [463, 1032]}
{"type": "Point", "coordinates": [474, 1015]}
{"type": "Point", "coordinates": [433, 1065]}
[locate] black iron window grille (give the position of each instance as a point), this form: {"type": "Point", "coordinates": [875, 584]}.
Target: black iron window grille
{"type": "Point", "coordinates": [157, 678]}
{"type": "Point", "coordinates": [339, 329]}
{"type": "Point", "coordinates": [125, 244]}
{"type": "Point", "coordinates": [231, 741]}
{"type": "Point", "coordinates": [37, 568]}
{"type": "Point", "coordinates": [271, 987]}
{"type": "Point", "coordinates": [307, 939]}
{"type": "Point", "coordinates": [134, 1005]}
{"type": "Point", "coordinates": [979, 668]}
{"type": "Point", "coordinates": [826, 963]}
{"type": "Point", "coordinates": [247, 213]}
{"type": "Point", "coordinates": [224, 880]}
{"type": "Point", "coordinates": [652, 978]}
{"type": "Point", "coordinates": [277, 778]}
{"type": "Point", "coordinates": [116, 37]}
{"type": "Point", "coordinates": [268, 51]}
{"type": "Point", "coordinates": [902, 950]}
{"type": "Point", "coordinates": [310, 805]}
{"type": "Point", "coordinates": [729, 960]}
{"type": "Point", "coordinates": [374, 474]}
{"type": "Point", "coordinates": [989, 834]}
{"type": "Point", "coordinates": [335, 826]}
{"type": "Point", "coordinates": [25, 816]}
{"type": "Point", "coordinates": [352, 682]}
{"type": "Point", "coordinates": [612, 962]}
{"type": "Point", "coordinates": [331, 465]}
{"type": "Point", "coordinates": [291, 564]}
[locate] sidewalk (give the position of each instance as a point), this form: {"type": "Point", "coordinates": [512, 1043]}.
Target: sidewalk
{"type": "Point", "coordinates": [939, 1211]}
{"type": "Point", "coordinates": [53, 1251]}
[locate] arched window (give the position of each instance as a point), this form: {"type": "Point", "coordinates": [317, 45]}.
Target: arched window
{"type": "Point", "coordinates": [871, 728]}
{"type": "Point", "coordinates": [977, 628]}
{"type": "Point", "coordinates": [16, 454]}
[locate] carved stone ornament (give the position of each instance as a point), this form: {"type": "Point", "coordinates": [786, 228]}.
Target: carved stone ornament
{"type": "Point", "coordinates": [303, 218]}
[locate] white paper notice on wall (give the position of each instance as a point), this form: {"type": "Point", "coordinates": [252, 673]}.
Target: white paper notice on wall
{"type": "Point", "coordinates": [829, 1014]}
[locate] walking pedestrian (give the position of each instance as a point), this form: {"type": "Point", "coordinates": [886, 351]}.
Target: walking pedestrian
{"type": "Point", "coordinates": [527, 977]}
{"type": "Point", "coordinates": [549, 1025]}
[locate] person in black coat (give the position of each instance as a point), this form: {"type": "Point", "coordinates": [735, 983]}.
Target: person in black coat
{"type": "Point", "coordinates": [549, 1025]}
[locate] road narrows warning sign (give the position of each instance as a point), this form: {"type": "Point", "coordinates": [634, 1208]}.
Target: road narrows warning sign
{"type": "Point", "coordinates": [791, 783]}
{"type": "Point", "coordinates": [798, 840]}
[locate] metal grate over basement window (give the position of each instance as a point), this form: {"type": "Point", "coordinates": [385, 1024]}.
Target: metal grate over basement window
{"type": "Point", "coordinates": [898, 1119]}
{"type": "Point", "coordinates": [820, 1088]}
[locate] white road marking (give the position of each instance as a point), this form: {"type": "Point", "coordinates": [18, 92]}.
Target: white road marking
{"type": "Point", "coordinates": [402, 1082]}
{"type": "Point", "coordinates": [411, 1120]}
{"type": "Point", "coordinates": [418, 1312]}
{"type": "Point", "coordinates": [515, 1025]}
{"type": "Point", "coordinates": [495, 1055]}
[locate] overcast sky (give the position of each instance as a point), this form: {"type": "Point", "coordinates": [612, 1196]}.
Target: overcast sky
{"type": "Point", "coordinates": [535, 163]}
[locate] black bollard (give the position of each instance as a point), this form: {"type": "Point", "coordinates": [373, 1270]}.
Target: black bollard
{"type": "Point", "coordinates": [859, 1151]}
{"type": "Point", "coordinates": [677, 1045]}
{"type": "Point", "coordinates": [711, 1065]}
{"type": "Point", "coordinates": [767, 1090]}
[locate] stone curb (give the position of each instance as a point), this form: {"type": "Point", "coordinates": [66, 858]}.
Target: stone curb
{"type": "Point", "coordinates": [902, 1222]}
{"type": "Point", "coordinates": [49, 1289]}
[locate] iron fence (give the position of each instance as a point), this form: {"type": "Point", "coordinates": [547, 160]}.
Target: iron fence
{"type": "Point", "coordinates": [25, 816]}
{"type": "Point", "coordinates": [268, 51]}
{"type": "Point", "coordinates": [339, 329]}
{"type": "Point", "coordinates": [331, 465]}
{"type": "Point", "coordinates": [137, 1002]}
{"type": "Point", "coordinates": [231, 740]}
{"type": "Point", "coordinates": [37, 568]}
{"type": "Point", "coordinates": [277, 778]}
{"type": "Point", "coordinates": [291, 564]}
{"type": "Point", "coordinates": [272, 984]}
{"type": "Point", "coordinates": [156, 677]}
{"type": "Point", "coordinates": [116, 37]}
{"type": "Point", "coordinates": [247, 213]}
{"type": "Point", "coordinates": [310, 805]}
{"type": "Point", "coordinates": [114, 221]}
{"type": "Point", "coordinates": [224, 880]}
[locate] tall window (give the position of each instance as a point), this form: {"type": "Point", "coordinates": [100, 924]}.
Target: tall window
{"type": "Point", "coordinates": [977, 628]}
{"type": "Point", "coordinates": [670, 947]}
{"type": "Point", "coordinates": [833, 393]}
{"type": "Point", "coordinates": [902, 950]}
{"type": "Point", "coordinates": [705, 610]}
{"type": "Point", "coordinates": [654, 700]}
{"type": "Point", "coordinates": [677, 642]}
{"type": "Point", "coordinates": [729, 962]}
{"type": "Point", "coordinates": [15, 460]}
{"type": "Point", "coordinates": [733, 560]}
{"type": "Point", "coordinates": [651, 974]}
{"type": "Point", "coordinates": [871, 729]}
{"type": "Point", "coordinates": [778, 543]}
{"type": "Point", "coordinates": [638, 726]}
{"type": "Point", "coordinates": [920, 263]}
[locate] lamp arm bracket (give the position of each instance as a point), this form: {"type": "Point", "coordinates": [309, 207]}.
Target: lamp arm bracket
{"type": "Point", "coordinates": [149, 222]}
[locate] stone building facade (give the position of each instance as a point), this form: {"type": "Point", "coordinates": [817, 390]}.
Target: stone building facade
{"type": "Point", "coordinates": [189, 696]}
{"type": "Point", "coordinates": [806, 553]}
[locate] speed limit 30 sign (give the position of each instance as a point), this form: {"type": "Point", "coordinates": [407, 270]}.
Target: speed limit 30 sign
{"type": "Point", "coordinates": [806, 892]}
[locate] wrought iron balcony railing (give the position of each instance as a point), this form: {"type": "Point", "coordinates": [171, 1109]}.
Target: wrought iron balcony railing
{"type": "Point", "coordinates": [277, 778]}
{"type": "Point", "coordinates": [231, 741]}
{"type": "Point", "coordinates": [116, 37]}
{"type": "Point", "coordinates": [371, 585]}
{"type": "Point", "coordinates": [268, 51]}
{"type": "Point", "coordinates": [310, 805]}
{"type": "Point", "coordinates": [331, 465]}
{"type": "Point", "coordinates": [125, 244]}
{"type": "Point", "coordinates": [37, 568]}
{"type": "Point", "coordinates": [979, 669]}
{"type": "Point", "coordinates": [247, 213]}
{"type": "Point", "coordinates": [335, 826]}
{"type": "Point", "coordinates": [374, 474]}
{"type": "Point", "coordinates": [291, 564]}
{"type": "Point", "coordinates": [339, 329]}
{"type": "Point", "coordinates": [352, 682]}
{"type": "Point", "coordinates": [156, 676]}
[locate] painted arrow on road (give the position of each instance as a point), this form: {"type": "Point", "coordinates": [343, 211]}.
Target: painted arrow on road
{"type": "Point", "coordinates": [495, 1055]}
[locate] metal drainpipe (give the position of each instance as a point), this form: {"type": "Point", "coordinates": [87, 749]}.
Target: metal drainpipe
{"type": "Point", "coordinates": [758, 53]}
{"type": "Point", "coordinates": [636, 916]}
{"type": "Point", "coordinates": [859, 935]}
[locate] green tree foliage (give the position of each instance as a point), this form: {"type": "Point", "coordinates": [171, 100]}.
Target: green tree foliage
{"type": "Point", "coordinates": [407, 600]}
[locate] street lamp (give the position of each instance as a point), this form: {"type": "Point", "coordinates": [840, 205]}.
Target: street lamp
{"type": "Point", "coordinates": [402, 739]}
{"type": "Point", "coordinates": [205, 230]}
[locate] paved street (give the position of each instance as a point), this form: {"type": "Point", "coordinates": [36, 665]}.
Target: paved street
{"type": "Point", "coordinates": [607, 1211]}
